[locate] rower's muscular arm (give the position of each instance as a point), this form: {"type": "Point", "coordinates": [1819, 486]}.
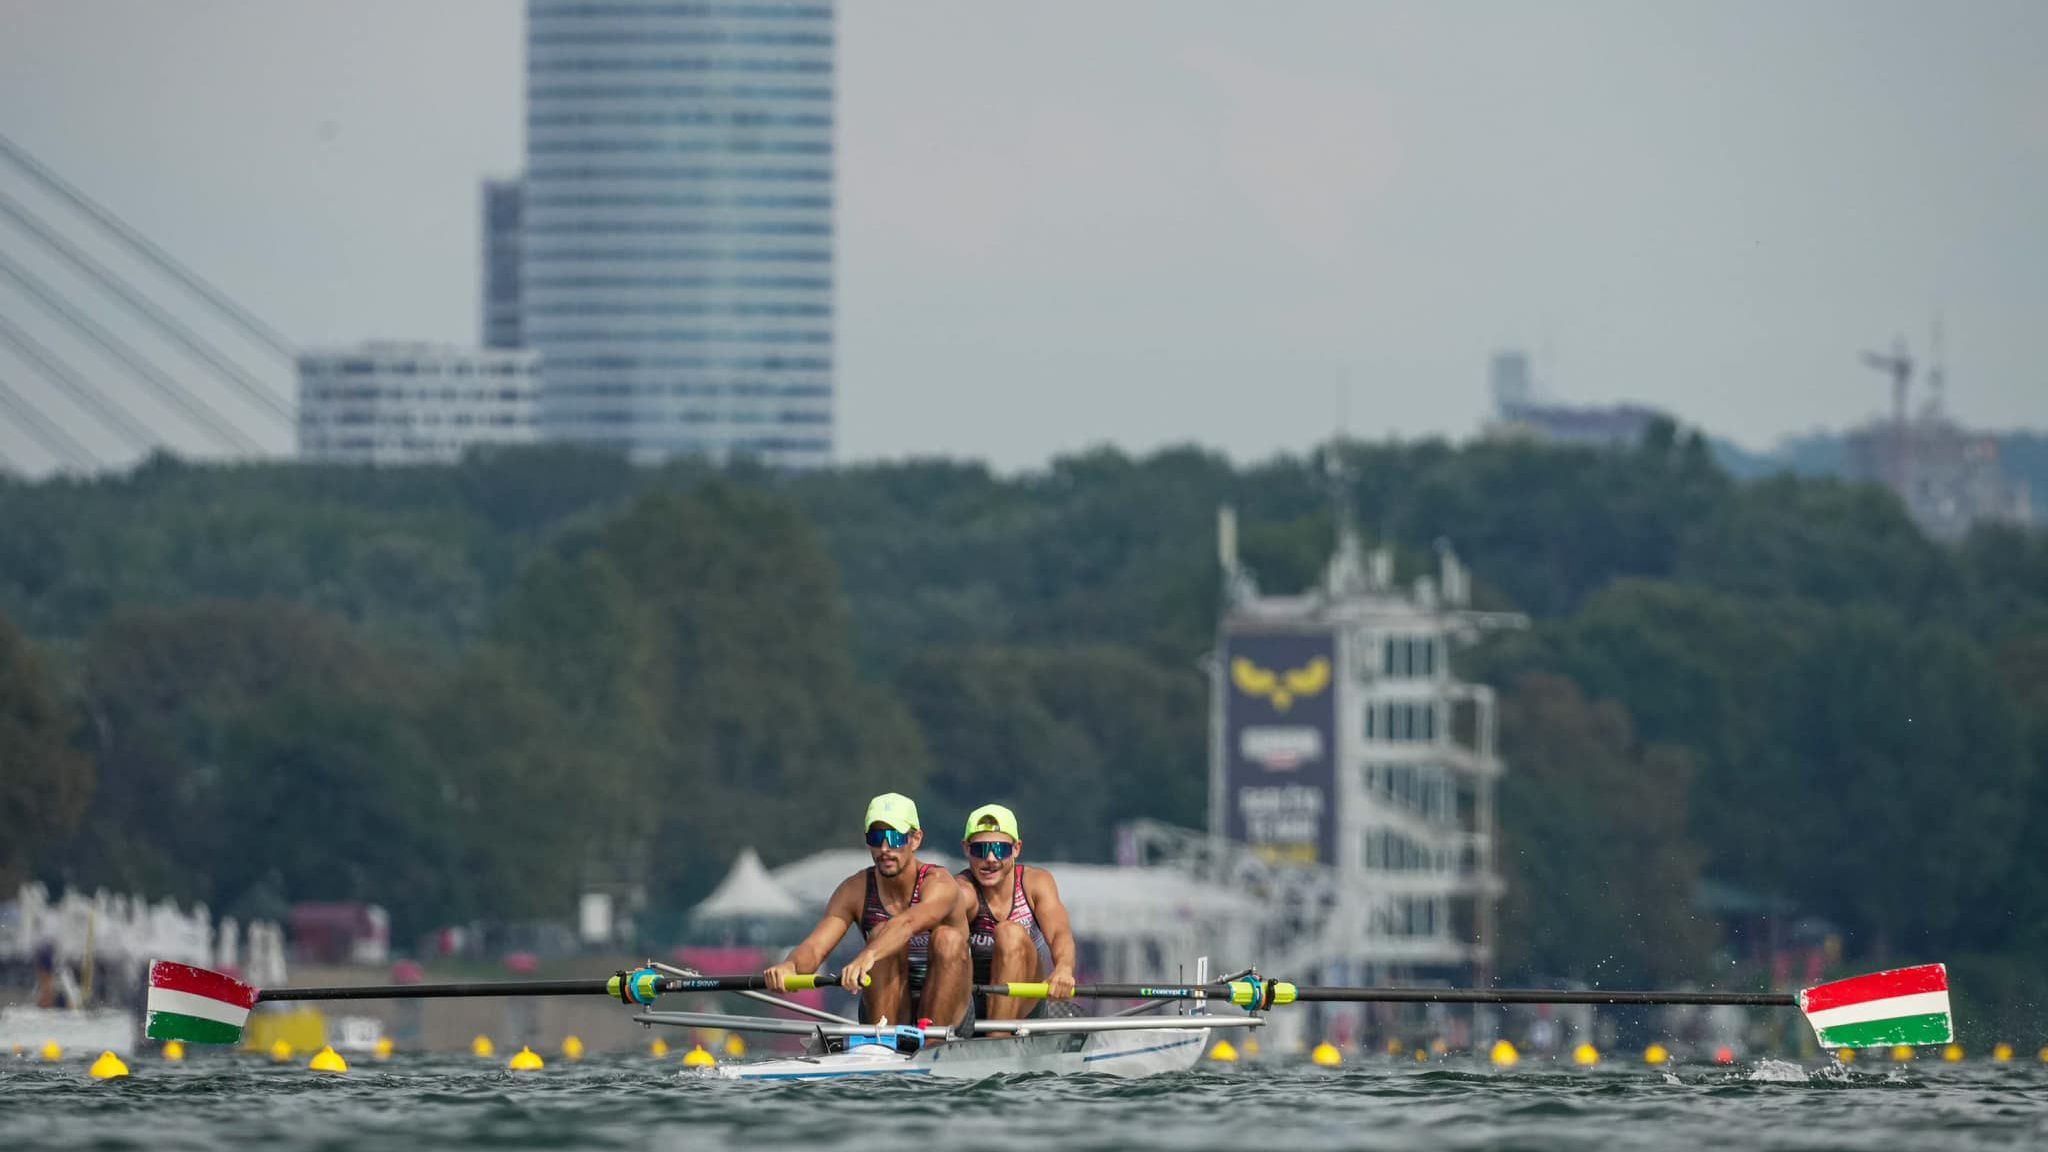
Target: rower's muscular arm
{"type": "Point", "coordinates": [938, 906]}
{"type": "Point", "coordinates": [1059, 932]}
{"type": "Point", "coordinates": [840, 914]}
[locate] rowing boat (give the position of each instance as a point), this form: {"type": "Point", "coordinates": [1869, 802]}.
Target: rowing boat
{"type": "Point", "coordinates": [1173, 1044]}
{"type": "Point", "coordinates": [836, 1047]}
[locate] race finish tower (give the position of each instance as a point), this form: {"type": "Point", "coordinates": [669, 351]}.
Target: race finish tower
{"type": "Point", "coordinates": [1351, 785]}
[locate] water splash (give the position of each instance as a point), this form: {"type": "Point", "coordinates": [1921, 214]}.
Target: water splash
{"type": "Point", "coordinates": [1769, 1071]}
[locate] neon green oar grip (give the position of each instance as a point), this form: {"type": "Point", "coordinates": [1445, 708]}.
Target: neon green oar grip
{"type": "Point", "coordinates": [1028, 991]}
{"type": "Point", "coordinates": [798, 982]}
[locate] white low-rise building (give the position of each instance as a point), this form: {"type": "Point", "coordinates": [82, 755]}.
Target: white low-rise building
{"type": "Point", "coordinates": [390, 402]}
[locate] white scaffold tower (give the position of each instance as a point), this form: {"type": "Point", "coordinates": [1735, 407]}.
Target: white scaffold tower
{"type": "Point", "coordinates": [1352, 780]}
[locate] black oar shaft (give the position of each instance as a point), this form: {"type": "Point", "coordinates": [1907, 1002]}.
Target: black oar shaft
{"type": "Point", "coordinates": [1244, 991]}
{"type": "Point", "coordinates": [1540, 996]}
{"type": "Point", "coordinates": [663, 985]}
{"type": "Point", "coordinates": [439, 991]}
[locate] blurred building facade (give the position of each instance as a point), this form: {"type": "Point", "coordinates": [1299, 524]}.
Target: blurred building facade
{"type": "Point", "coordinates": [1948, 477]}
{"type": "Point", "coordinates": [501, 296]}
{"type": "Point", "coordinates": [677, 226]}
{"type": "Point", "coordinates": [411, 403]}
{"type": "Point", "coordinates": [1519, 411]}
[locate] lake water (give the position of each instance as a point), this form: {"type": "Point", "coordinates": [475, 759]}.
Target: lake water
{"type": "Point", "coordinates": [619, 1102]}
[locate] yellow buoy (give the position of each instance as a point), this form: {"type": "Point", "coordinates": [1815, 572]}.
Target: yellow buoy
{"type": "Point", "coordinates": [572, 1048]}
{"type": "Point", "coordinates": [2002, 1053]}
{"type": "Point", "coordinates": [108, 1067]}
{"type": "Point", "coordinates": [482, 1048]}
{"type": "Point", "coordinates": [1504, 1054]}
{"type": "Point", "coordinates": [1902, 1053]}
{"type": "Point", "coordinates": [1656, 1054]}
{"type": "Point", "coordinates": [1953, 1053]}
{"type": "Point", "coordinates": [697, 1057]}
{"type": "Point", "coordinates": [384, 1048]}
{"type": "Point", "coordinates": [658, 1049]}
{"type": "Point", "coordinates": [1438, 1046]}
{"type": "Point", "coordinates": [1585, 1055]}
{"type": "Point", "coordinates": [1223, 1053]}
{"type": "Point", "coordinates": [1251, 1047]}
{"type": "Point", "coordinates": [1422, 1055]}
{"type": "Point", "coordinates": [734, 1046]}
{"type": "Point", "coordinates": [280, 1052]}
{"type": "Point", "coordinates": [1326, 1055]}
{"type": "Point", "coordinates": [1395, 1047]}
{"type": "Point", "coordinates": [327, 1060]}
{"type": "Point", "coordinates": [2044, 1055]}
{"type": "Point", "coordinates": [526, 1060]}
{"type": "Point", "coordinates": [174, 1051]}
{"type": "Point", "coordinates": [1846, 1055]}
{"type": "Point", "coordinates": [52, 1053]}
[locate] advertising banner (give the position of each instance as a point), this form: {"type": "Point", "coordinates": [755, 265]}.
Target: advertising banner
{"type": "Point", "coordinates": [1280, 744]}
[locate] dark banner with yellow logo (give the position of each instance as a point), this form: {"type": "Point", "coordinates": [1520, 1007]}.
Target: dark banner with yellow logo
{"type": "Point", "coordinates": [1280, 750]}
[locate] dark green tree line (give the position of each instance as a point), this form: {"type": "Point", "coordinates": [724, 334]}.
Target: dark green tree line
{"type": "Point", "coordinates": [505, 677]}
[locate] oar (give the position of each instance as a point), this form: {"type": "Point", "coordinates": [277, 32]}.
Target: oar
{"type": "Point", "coordinates": [199, 1006]}
{"type": "Point", "coordinates": [1902, 1006]}
{"type": "Point", "coordinates": [1267, 994]}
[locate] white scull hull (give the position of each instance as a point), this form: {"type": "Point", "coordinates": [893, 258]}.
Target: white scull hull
{"type": "Point", "coordinates": [1138, 1052]}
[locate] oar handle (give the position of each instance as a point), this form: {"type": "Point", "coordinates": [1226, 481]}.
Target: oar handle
{"type": "Point", "coordinates": [1243, 993]}
{"type": "Point", "coordinates": [794, 982]}
{"type": "Point", "coordinates": [1269, 993]}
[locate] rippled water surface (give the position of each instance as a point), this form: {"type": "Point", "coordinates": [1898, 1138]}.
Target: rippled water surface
{"type": "Point", "coordinates": [638, 1103]}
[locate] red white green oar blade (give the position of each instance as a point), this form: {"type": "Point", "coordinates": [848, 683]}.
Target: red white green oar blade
{"type": "Point", "coordinates": [1902, 1006]}
{"type": "Point", "coordinates": [195, 1005]}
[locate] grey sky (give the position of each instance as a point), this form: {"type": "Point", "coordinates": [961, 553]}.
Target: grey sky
{"type": "Point", "coordinates": [1068, 223]}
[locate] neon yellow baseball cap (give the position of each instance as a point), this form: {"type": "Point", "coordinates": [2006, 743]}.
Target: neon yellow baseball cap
{"type": "Point", "coordinates": [991, 818]}
{"type": "Point", "coordinates": [893, 809]}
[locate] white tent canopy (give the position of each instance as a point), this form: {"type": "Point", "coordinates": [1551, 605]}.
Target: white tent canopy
{"type": "Point", "coordinates": [812, 879]}
{"type": "Point", "coordinates": [748, 891]}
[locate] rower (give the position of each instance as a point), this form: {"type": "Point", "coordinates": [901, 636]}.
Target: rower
{"type": "Point", "coordinates": [1029, 940]}
{"type": "Point", "coordinates": [915, 924]}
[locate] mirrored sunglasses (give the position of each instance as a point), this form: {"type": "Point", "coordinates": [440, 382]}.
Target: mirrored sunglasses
{"type": "Point", "coordinates": [887, 837]}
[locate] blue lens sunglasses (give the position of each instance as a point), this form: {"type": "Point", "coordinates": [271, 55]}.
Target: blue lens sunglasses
{"type": "Point", "coordinates": [991, 849]}
{"type": "Point", "coordinates": [880, 837]}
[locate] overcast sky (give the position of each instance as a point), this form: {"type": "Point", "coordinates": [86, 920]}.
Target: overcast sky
{"type": "Point", "coordinates": [1064, 223]}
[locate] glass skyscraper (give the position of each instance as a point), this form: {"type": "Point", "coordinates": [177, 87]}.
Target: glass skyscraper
{"type": "Point", "coordinates": [677, 225]}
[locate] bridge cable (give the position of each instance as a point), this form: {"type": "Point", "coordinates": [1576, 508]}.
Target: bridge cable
{"type": "Point", "coordinates": [27, 414]}
{"type": "Point", "coordinates": [85, 392]}
{"type": "Point", "coordinates": [192, 405]}
{"type": "Point", "coordinates": [176, 329]}
{"type": "Point", "coordinates": [245, 320]}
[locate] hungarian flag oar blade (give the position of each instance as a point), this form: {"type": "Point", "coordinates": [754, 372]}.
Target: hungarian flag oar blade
{"type": "Point", "coordinates": [1902, 1006]}
{"type": "Point", "coordinates": [196, 1006]}
{"type": "Point", "coordinates": [202, 1007]}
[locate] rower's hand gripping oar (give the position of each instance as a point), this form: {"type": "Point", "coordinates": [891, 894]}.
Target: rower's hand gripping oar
{"type": "Point", "coordinates": [199, 1006]}
{"type": "Point", "coordinates": [1901, 1006]}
